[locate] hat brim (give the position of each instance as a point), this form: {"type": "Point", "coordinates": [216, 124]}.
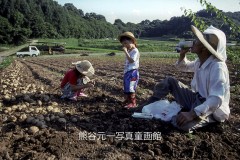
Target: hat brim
{"type": "Point", "coordinates": [124, 35]}
{"type": "Point", "coordinates": [205, 43]}
{"type": "Point", "coordinates": [89, 73]}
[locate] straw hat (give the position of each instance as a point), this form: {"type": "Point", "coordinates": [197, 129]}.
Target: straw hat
{"type": "Point", "coordinates": [84, 67]}
{"type": "Point", "coordinates": [213, 37]}
{"type": "Point", "coordinates": [129, 35]}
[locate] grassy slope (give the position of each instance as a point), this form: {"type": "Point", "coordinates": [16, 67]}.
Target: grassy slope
{"type": "Point", "coordinates": [111, 45]}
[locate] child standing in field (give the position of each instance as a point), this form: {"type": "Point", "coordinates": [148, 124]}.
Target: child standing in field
{"type": "Point", "coordinates": [131, 74]}
{"type": "Point", "coordinates": [76, 80]}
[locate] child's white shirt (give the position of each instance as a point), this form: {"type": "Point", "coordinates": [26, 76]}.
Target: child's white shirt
{"type": "Point", "coordinates": [134, 54]}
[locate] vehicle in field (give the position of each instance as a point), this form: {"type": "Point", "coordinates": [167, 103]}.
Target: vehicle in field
{"type": "Point", "coordinates": [51, 47]}
{"type": "Point", "coordinates": [28, 51]}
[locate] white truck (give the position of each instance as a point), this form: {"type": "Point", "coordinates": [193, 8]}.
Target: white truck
{"type": "Point", "coordinates": [29, 51]}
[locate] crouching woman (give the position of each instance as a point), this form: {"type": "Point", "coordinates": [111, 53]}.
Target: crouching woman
{"type": "Point", "coordinates": [76, 80]}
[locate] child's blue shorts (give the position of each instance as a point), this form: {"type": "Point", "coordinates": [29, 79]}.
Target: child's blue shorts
{"type": "Point", "coordinates": [130, 81]}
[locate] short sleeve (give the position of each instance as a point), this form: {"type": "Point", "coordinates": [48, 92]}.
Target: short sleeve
{"type": "Point", "coordinates": [134, 55]}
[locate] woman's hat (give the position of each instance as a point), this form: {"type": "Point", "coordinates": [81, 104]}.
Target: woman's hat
{"type": "Point", "coordinates": [213, 38]}
{"type": "Point", "coordinates": [129, 35]}
{"type": "Point", "coordinates": [84, 67]}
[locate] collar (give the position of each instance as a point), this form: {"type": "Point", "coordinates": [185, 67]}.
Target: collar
{"type": "Point", "coordinates": [131, 50]}
{"type": "Point", "coordinates": [207, 62]}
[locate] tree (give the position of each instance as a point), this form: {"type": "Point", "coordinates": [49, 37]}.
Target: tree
{"type": "Point", "coordinates": [5, 31]}
{"type": "Point", "coordinates": [95, 16]}
{"type": "Point", "coordinates": [22, 19]}
{"type": "Point", "coordinates": [70, 7]}
{"type": "Point", "coordinates": [20, 35]}
{"type": "Point", "coordinates": [200, 23]}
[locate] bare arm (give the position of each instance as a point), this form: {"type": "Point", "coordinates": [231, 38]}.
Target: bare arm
{"type": "Point", "coordinates": [184, 117]}
{"type": "Point", "coordinates": [183, 53]}
{"type": "Point", "coordinates": [127, 55]}
{"type": "Point", "coordinates": [76, 87]}
{"type": "Point", "coordinates": [183, 64]}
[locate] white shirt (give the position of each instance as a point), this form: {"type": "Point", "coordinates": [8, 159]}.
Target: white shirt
{"type": "Point", "coordinates": [211, 81]}
{"type": "Point", "coordinates": [134, 54]}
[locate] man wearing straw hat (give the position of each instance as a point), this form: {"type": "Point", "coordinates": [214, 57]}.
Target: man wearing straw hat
{"type": "Point", "coordinates": [208, 99]}
{"type": "Point", "coordinates": [77, 79]}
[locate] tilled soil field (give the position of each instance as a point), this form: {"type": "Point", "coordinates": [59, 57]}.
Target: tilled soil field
{"type": "Point", "coordinates": [36, 124]}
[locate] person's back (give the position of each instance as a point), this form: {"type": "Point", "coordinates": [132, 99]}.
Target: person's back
{"type": "Point", "coordinates": [70, 76]}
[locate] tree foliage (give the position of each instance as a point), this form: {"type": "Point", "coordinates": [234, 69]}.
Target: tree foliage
{"type": "Point", "coordinates": [225, 21]}
{"type": "Point", "coordinates": [23, 19]}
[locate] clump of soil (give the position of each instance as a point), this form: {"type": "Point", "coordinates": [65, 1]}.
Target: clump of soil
{"type": "Point", "coordinates": [111, 54]}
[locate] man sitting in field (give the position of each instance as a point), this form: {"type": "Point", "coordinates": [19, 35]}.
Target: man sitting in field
{"type": "Point", "coordinates": [208, 99]}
